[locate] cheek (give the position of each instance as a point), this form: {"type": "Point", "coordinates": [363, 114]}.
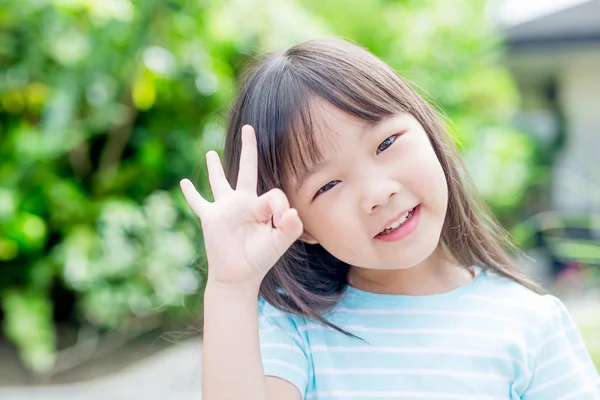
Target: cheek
{"type": "Point", "coordinates": [427, 179]}
{"type": "Point", "coordinates": [339, 235]}
{"type": "Point", "coordinates": [308, 214]}
{"type": "Point", "coordinates": [437, 174]}
{"type": "Point", "coordinates": [321, 221]}
{"type": "Point", "coordinates": [437, 187]}
{"type": "Point", "coordinates": [333, 229]}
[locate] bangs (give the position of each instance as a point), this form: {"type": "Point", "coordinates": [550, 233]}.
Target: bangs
{"type": "Point", "coordinates": [291, 89]}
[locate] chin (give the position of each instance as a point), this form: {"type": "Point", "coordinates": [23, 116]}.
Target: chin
{"type": "Point", "coordinates": [415, 255]}
{"type": "Point", "coordinates": [412, 252]}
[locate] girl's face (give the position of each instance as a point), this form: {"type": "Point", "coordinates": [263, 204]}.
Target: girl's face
{"type": "Point", "coordinates": [371, 175]}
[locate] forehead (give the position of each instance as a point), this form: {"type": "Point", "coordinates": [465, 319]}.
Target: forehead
{"type": "Point", "coordinates": [333, 127]}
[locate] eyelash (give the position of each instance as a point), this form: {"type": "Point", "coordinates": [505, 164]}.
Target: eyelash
{"type": "Point", "coordinates": [393, 138]}
{"type": "Point", "coordinates": [325, 188]}
{"type": "Point", "coordinates": [328, 185]}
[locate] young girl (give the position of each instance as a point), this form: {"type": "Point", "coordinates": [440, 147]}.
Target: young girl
{"type": "Point", "coordinates": [347, 259]}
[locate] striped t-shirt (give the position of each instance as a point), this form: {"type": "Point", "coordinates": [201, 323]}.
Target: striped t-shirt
{"type": "Point", "coordinates": [489, 339]}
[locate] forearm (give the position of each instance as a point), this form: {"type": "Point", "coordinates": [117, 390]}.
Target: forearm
{"type": "Point", "coordinates": [232, 366]}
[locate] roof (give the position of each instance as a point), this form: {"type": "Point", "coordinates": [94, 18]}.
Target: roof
{"type": "Point", "coordinates": [573, 25]}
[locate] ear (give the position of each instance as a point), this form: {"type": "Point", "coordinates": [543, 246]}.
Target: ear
{"type": "Point", "coordinates": [308, 238]}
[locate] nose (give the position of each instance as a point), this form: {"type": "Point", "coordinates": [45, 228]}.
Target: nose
{"type": "Point", "coordinates": [377, 192]}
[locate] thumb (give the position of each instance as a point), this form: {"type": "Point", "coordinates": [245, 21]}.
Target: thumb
{"type": "Point", "coordinates": [288, 230]}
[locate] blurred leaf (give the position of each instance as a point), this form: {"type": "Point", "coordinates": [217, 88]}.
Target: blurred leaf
{"type": "Point", "coordinates": [28, 323]}
{"type": "Point", "coordinates": [9, 249]}
{"type": "Point", "coordinates": [144, 92]}
{"type": "Point", "coordinates": [28, 231]}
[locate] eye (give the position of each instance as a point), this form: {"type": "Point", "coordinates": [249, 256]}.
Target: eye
{"type": "Point", "coordinates": [386, 143]}
{"type": "Point", "coordinates": [326, 187]}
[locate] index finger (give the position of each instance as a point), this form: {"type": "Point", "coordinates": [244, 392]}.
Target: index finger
{"type": "Point", "coordinates": [196, 202]}
{"type": "Point", "coordinates": [248, 170]}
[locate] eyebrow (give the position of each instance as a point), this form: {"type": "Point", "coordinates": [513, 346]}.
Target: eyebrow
{"type": "Point", "coordinates": [310, 171]}
{"type": "Point", "coordinates": [315, 168]}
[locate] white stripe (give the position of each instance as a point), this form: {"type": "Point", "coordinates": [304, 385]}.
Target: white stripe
{"type": "Point", "coordinates": [273, 314]}
{"type": "Point", "coordinates": [422, 331]}
{"type": "Point", "coordinates": [269, 330]}
{"type": "Point", "coordinates": [499, 285]}
{"type": "Point", "coordinates": [515, 293]}
{"type": "Point", "coordinates": [396, 371]}
{"type": "Point", "coordinates": [509, 289]}
{"type": "Point", "coordinates": [433, 312]}
{"type": "Point", "coordinates": [295, 349]}
{"type": "Point", "coordinates": [373, 394]}
{"type": "Point", "coordinates": [286, 364]}
{"type": "Point", "coordinates": [500, 302]}
{"type": "Point", "coordinates": [279, 330]}
{"type": "Point", "coordinates": [592, 367]}
{"type": "Point", "coordinates": [489, 284]}
{"type": "Point", "coordinates": [411, 331]}
{"type": "Point", "coordinates": [558, 335]}
{"type": "Point", "coordinates": [586, 389]}
{"type": "Point", "coordinates": [559, 357]}
{"type": "Point", "coordinates": [553, 382]}
{"type": "Point", "coordinates": [411, 350]}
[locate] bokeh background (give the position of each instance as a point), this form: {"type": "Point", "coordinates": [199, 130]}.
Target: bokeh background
{"type": "Point", "coordinates": [106, 104]}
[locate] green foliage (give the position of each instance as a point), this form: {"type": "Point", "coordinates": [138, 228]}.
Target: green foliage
{"type": "Point", "coordinates": [28, 323]}
{"type": "Point", "coordinates": [105, 105]}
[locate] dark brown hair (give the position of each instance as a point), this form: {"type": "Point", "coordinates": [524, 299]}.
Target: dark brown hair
{"type": "Point", "coordinates": [276, 98]}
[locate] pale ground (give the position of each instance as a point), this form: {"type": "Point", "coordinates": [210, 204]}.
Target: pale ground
{"type": "Point", "coordinates": [172, 374]}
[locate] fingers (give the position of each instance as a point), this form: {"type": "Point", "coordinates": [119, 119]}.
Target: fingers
{"type": "Point", "coordinates": [247, 174]}
{"type": "Point", "coordinates": [218, 182]}
{"type": "Point", "coordinates": [289, 230]}
{"type": "Point", "coordinates": [286, 222]}
{"type": "Point", "coordinates": [271, 204]}
{"type": "Point", "coordinates": [196, 202]}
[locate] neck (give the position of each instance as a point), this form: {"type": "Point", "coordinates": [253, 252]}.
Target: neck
{"type": "Point", "coordinates": [439, 273]}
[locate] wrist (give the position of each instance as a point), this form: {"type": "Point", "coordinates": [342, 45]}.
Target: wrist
{"type": "Point", "coordinates": [232, 290]}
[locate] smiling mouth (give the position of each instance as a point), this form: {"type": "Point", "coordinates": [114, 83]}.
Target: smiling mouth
{"type": "Point", "coordinates": [403, 219]}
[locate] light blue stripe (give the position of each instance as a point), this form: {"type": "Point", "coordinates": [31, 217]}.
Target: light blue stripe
{"type": "Point", "coordinates": [492, 339]}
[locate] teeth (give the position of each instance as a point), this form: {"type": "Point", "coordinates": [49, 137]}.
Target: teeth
{"type": "Point", "coordinates": [399, 222]}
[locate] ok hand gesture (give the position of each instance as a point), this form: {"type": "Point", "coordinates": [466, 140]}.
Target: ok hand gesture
{"type": "Point", "coordinates": [244, 234]}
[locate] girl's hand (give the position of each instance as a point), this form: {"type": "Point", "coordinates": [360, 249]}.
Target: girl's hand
{"type": "Point", "coordinates": [244, 234]}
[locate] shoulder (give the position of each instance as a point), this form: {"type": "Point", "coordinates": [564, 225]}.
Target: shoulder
{"type": "Point", "coordinates": [503, 295]}
{"type": "Point", "coordinates": [269, 315]}
{"type": "Point", "coordinates": [266, 309]}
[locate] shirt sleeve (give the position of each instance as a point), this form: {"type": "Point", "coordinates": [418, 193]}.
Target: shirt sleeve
{"type": "Point", "coordinates": [281, 346]}
{"type": "Point", "coordinates": [563, 368]}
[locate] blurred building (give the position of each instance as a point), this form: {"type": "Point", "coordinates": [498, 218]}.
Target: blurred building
{"type": "Point", "coordinates": [555, 59]}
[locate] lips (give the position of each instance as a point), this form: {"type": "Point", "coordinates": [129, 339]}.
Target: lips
{"type": "Point", "coordinates": [397, 221]}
